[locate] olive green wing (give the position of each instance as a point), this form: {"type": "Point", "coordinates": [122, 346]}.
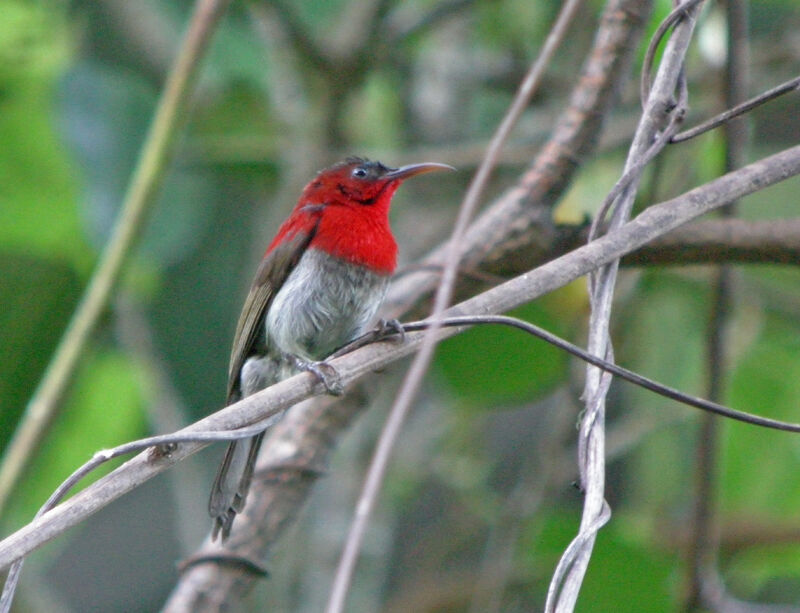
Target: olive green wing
{"type": "Point", "coordinates": [276, 266]}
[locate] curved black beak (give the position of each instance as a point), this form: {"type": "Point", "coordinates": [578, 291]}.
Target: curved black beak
{"type": "Point", "coordinates": [411, 170]}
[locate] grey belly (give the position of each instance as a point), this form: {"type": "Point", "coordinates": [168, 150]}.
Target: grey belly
{"type": "Point", "coordinates": [322, 305]}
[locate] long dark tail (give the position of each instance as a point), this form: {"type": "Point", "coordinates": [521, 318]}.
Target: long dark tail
{"type": "Point", "coordinates": [229, 492]}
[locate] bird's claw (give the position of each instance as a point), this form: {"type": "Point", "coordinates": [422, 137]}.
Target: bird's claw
{"type": "Point", "coordinates": [391, 330]}
{"type": "Point", "coordinates": [327, 375]}
{"type": "Point", "coordinates": [387, 330]}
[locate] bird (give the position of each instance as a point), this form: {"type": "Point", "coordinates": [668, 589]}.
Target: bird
{"type": "Point", "coordinates": [319, 285]}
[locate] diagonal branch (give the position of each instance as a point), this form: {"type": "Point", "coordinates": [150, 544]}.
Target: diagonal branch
{"type": "Point", "coordinates": [526, 206]}
{"type": "Point", "coordinates": [444, 294]}
{"type": "Point", "coordinates": [652, 223]}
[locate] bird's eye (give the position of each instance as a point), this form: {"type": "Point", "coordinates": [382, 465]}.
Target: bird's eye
{"type": "Point", "coordinates": [359, 173]}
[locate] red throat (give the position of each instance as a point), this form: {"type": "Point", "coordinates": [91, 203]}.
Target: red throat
{"type": "Point", "coordinates": [358, 236]}
{"type": "Point", "coordinates": [355, 232]}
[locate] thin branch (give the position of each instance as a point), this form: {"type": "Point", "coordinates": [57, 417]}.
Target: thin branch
{"type": "Point", "coordinates": [703, 404]}
{"type": "Point", "coordinates": [419, 366]}
{"type": "Point", "coordinates": [675, 16]}
{"type": "Point", "coordinates": [145, 183]}
{"type": "Point", "coordinates": [527, 205]}
{"type": "Point", "coordinates": [633, 173]}
{"type": "Point", "coordinates": [719, 241]}
{"type": "Point", "coordinates": [739, 109]}
{"type": "Point", "coordinates": [655, 221]}
{"type": "Point", "coordinates": [310, 431]}
{"type": "Point", "coordinates": [162, 444]}
{"type": "Point", "coordinates": [660, 107]}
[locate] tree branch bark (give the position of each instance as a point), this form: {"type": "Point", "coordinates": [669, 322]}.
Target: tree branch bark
{"type": "Point", "coordinates": [526, 207]}
{"type": "Point", "coordinates": [655, 221]}
{"type": "Point", "coordinates": [724, 241]}
{"type": "Point", "coordinates": [306, 435]}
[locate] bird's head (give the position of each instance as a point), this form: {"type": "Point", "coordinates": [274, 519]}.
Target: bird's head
{"type": "Point", "coordinates": [357, 182]}
{"type": "Point", "coordinates": [347, 205]}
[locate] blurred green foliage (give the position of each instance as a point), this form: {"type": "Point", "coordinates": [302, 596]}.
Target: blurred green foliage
{"type": "Point", "coordinates": [78, 84]}
{"type": "Point", "coordinates": [37, 298]}
{"type": "Point", "coordinates": [491, 366]}
{"type": "Point", "coordinates": [104, 409]}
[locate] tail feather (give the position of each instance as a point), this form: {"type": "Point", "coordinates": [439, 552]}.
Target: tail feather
{"type": "Point", "coordinates": [229, 492]}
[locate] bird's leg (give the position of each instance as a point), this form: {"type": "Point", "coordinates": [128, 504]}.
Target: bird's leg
{"type": "Point", "coordinates": [324, 372]}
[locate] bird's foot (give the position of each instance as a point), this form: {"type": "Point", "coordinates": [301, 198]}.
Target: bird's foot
{"type": "Point", "coordinates": [387, 330]}
{"type": "Point", "coordinates": [327, 374]}
{"type": "Point", "coordinates": [390, 330]}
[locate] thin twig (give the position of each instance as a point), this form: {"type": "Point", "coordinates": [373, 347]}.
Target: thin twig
{"type": "Point", "coordinates": [163, 445]}
{"type": "Point", "coordinates": [635, 171]}
{"type": "Point", "coordinates": [653, 222]}
{"type": "Point", "coordinates": [312, 430]}
{"type": "Point", "coordinates": [739, 109]}
{"type": "Point", "coordinates": [419, 366]}
{"type": "Point", "coordinates": [669, 21]}
{"type": "Point", "coordinates": [659, 102]}
{"type": "Point", "coordinates": [614, 369]}
{"type": "Point", "coordinates": [145, 182]}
